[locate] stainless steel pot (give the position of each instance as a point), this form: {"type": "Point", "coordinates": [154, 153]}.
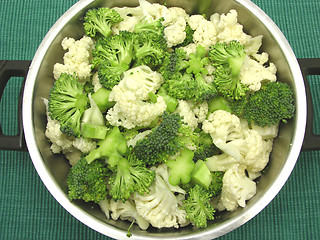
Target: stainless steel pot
{"type": "Point", "coordinates": [53, 169]}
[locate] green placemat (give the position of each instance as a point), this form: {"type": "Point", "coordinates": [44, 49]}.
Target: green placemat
{"type": "Point", "coordinates": [28, 211]}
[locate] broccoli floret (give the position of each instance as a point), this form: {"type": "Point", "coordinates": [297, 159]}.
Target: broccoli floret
{"type": "Point", "coordinates": [189, 36]}
{"type": "Point", "coordinates": [228, 60]}
{"type": "Point", "coordinates": [183, 78]}
{"type": "Point", "coordinates": [204, 147]}
{"type": "Point", "coordinates": [67, 103]}
{"type": "Point", "coordinates": [88, 181]}
{"type": "Point", "coordinates": [197, 206]}
{"type": "Point", "coordinates": [272, 104]}
{"type": "Point", "coordinates": [112, 148]}
{"type": "Point", "coordinates": [99, 21]}
{"type": "Point", "coordinates": [216, 184]}
{"type": "Point", "coordinates": [162, 142]}
{"type": "Point", "coordinates": [154, 28]}
{"type": "Point", "coordinates": [181, 167]}
{"type": "Point", "coordinates": [112, 56]}
{"type": "Point", "coordinates": [148, 51]}
{"type": "Point", "coordinates": [130, 175]}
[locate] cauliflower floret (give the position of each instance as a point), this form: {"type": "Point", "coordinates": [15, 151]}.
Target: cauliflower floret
{"type": "Point", "coordinates": [162, 205]}
{"type": "Point", "coordinates": [223, 127]}
{"type": "Point", "coordinates": [130, 15]}
{"type": "Point", "coordinates": [105, 207]}
{"type": "Point", "coordinates": [127, 211]}
{"type": "Point", "coordinates": [129, 95]}
{"type": "Point", "coordinates": [76, 59]}
{"type": "Point", "coordinates": [96, 82]}
{"type": "Point", "coordinates": [186, 112]}
{"type": "Point", "coordinates": [228, 28]}
{"type": "Point", "coordinates": [236, 190]}
{"type": "Point", "coordinates": [200, 110]}
{"type": "Point", "coordinates": [85, 145]}
{"type": "Point", "coordinates": [205, 31]}
{"type": "Point", "coordinates": [221, 162]}
{"type": "Point", "coordinates": [59, 141]}
{"type": "Point", "coordinates": [252, 73]}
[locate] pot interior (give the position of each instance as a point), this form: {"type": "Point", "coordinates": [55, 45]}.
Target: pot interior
{"type": "Point", "coordinates": [57, 167]}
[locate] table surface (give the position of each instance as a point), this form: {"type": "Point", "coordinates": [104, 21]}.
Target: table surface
{"type": "Point", "coordinates": [28, 211]}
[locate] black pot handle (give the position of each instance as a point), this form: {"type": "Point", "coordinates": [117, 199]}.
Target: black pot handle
{"type": "Point", "coordinates": [310, 66]}
{"type": "Point", "coordinates": [8, 69]}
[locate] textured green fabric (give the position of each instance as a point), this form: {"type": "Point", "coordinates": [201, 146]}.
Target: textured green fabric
{"type": "Point", "coordinates": [28, 211]}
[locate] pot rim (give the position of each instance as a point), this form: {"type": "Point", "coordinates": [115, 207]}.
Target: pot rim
{"type": "Point", "coordinates": [109, 230]}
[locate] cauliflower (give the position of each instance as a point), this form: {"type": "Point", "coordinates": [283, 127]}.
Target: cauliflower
{"type": "Point", "coordinates": [228, 28]}
{"type": "Point", "coordinates": [223, 127]}
{"type": "Point", "coordinates": [77, 59]}
{"type": "Point", "coordinates": [130, 15]}
{"type": "Point", "coordinates": [162, 206]}
{"type": "Point", "coordinates": [205, 31]}
{"type": "Point", "coordinates": [105, 206]}
{"type": "Point", "coordinates": [192, 113]}
{"type": "Point", "coordinates": [252, 73]}
{"type": "Point", "coordinates": [96, 82]}
{"type": "Point", "coordinates": [131, 109]}
{"type": "Point", "coordinates": [186, 112]}
{"type": "Point", "coordinates": [237, 189]}
{"type": "Point", "coordinates": [127, 211]}
{"type": "Point", "coordinates": [243, 145]}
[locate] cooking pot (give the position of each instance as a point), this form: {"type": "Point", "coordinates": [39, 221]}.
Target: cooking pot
{"type": "Point", "coordinates": [53, 169]}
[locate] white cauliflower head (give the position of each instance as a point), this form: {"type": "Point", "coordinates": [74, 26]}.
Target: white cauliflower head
{"type": "Point", "coordinates": [253, 73]}
{"type": "Point", "coordinates": [77, 59]}
{"type": "Point", "coordinates": [127, 211]}
{"type": "Point", "coordinates": [162, 205]}
{"type": "Point", "coordinates": [236, 190]}
{"type": "Point", "coordinates": [204, 31]}
{"type": "Point", "coordinates": [131, 109]}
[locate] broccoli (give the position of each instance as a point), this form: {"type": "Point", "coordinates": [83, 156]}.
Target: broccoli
{"type": "Point", "coordinates": [130, 175]}
{"type": "Point", "coordinates": [216, 184]}
{"type": "Point", "coordinates": [99, 21]}
{"type": "Point", "coordinates": [181, 168]}
{"type": "Point", "coordinates": [183, 78]}
{"type": "Point", "coordinates": [112, 56]}
{"type": "Point", "coordinates": [272, 104]}
{"type": "Point", "coordinates": [204, 147]}
{"type": "Point", "coordinates": [197, 206]}
{"type": "Point", "coordinates": [154, 29]}
{"type": "Point", "coordinates": [67, 103]}
{"type": "Point", "coordinates": [228, 60]}
{"type": "Point", "coordinates": [162, 142]}
{"type": "Point", "coordinates": [113, 147]}
{"type": "Point", "coordinates": [88, 181]}
{"type": "Point", "coordinates": [149, 50]}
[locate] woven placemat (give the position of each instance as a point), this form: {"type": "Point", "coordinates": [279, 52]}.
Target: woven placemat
{"type": "Point", "coordinates": [27, 209]}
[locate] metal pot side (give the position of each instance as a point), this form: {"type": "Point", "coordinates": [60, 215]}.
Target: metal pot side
{"type": "Point", "coordinates": [53, 169]}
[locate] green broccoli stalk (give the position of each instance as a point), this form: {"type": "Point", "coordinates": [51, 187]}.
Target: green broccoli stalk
{"type": "Point", "coordinates": [99, 21]}
{"type": "Point", "coordinates": [88, 182]}
{"type": "Point", "coordinates": [162, 142]}
{"type": "Point", "coordinates": [130, 175]}
{"type": "Point", "coordinates": [272, 104]}
{"type": "Point", "coordinates": [220, 103]}
{"type": "Point", "coordinates": [181, 167]}
{"type": "Point", "coordinates": [228, 60]}
{"type": "Point", "coordinates": [112, 148]}
{"type": "Point", "coordinates": [67, 103]}
{"type": "Point", "coordinates": [197, 206]}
